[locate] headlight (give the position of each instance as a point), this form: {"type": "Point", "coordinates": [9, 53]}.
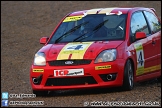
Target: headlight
{"type": "Point", "coordinates": [39, 59]}
{"type": "Point", "coordinates": [105, 56]}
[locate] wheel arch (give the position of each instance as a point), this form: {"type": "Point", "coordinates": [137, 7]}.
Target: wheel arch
{"type": "Point", "coordinates": [133, 66]}
{"type": "Point", "coordinates": [127, 80]}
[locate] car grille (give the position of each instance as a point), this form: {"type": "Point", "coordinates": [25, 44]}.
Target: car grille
{"type": "Point", "coordinates": [62, 62]}
{"type": "Point", "coordinates": [70, 81]}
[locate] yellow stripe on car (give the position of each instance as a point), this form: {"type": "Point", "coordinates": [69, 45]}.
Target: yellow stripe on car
{"type": "Point", "coordinates": [76, 49]}
{"type": "Point", "coordinates": [152, 68]}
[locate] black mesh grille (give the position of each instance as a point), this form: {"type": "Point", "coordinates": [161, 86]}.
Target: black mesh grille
{"type": "Point", "coordinates": [104, 77]}
{"type": "Point", "coordinates": [70, 81]}
{"type": "Point", "coordinates": [74, 62]}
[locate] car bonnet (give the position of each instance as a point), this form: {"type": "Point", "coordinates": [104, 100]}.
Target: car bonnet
{"type": "Point", "coordinates": [77, 50]}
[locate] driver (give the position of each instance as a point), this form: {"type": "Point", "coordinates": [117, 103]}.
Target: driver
{"type": "Point", "coordinates": [86, 29]}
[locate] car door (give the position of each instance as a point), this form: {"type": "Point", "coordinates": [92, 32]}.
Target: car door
{"type": "Point", "coordinates": [155, 37]}
{"type": "Point", "coordinates": [144, 49]}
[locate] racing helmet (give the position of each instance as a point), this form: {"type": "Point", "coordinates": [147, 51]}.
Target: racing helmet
{"type": "Point", "coordinates": [86, 29]}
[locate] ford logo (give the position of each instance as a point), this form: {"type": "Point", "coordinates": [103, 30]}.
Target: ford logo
{"type": "Point", "coordinates": [69, 62]}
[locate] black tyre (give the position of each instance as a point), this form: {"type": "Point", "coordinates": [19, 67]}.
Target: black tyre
{"type": "Point", "coordinates": [128, 82]}
{"type": "Point", "coordinates": [40, 93]}
{"type": "Point", "coordinates": [159, 79]}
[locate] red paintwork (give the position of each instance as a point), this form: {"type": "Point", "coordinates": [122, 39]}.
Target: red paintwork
{"type": "Point", "coordinates": [140, 35]}
{"type": "Point", "coordinates": [50, 49]}
{"type": "Point", "coordinates": [125, 51]}
{"type": "Point", "coordinates": [43, 40]}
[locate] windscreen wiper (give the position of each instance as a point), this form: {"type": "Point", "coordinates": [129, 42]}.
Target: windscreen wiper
{"type": "Point", "coordinates": [70, 31]}
{"type": "Point", "coordinates": [95, 29]}
{"type": "Point", "coordinates": [100, 25]}
{"type": "Point", "coordinates": [81, 36]}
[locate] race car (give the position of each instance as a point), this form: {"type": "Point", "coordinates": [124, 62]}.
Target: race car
{"type": "Point", "coordinates": [101, 47]}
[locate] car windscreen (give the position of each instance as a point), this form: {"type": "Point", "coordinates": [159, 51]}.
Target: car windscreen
{"type": "Point", "coordinates": [94, 27]}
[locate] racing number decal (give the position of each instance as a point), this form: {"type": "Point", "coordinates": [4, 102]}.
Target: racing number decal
{"type": "Point", "coordinates": [74, 50]}
{"type": "Point", "coordinates": [76, 47]}
{"type": "Point", "coordinates": [140, 58]}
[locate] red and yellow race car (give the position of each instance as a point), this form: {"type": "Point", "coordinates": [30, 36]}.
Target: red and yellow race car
{"type": "Point", "coordinates": [103, 47]}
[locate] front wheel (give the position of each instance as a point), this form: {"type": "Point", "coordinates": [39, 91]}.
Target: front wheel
{"type": "Point", "coordinates": [128, 82]}
{"type": "Point", "coordinates": [159, 79]}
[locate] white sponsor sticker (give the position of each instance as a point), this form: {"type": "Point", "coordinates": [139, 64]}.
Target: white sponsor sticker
{"type": "Point", "coordinates": [68, 72]}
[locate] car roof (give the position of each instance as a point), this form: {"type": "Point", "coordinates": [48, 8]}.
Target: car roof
{"type": "Point", "coordinates": [123, 10]}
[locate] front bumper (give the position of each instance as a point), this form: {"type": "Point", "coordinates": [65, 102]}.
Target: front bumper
{"type": "Point", "coordinates": [92, 78]}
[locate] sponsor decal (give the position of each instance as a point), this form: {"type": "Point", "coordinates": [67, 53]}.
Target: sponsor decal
{"type": "Point", "coordinates": [73, 18]}
{"type": "Point", "coordinates": [38, 70]}
{"type": "Point", "coordinates": [68, 72]}
{"type": "Point", "coordinates": [75, 50]}
{"type": "Point", "coordinates": [102, 67]}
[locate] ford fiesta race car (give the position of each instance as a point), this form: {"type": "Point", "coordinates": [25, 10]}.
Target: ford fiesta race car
{"type": "Point", "coordinates": [103, 47]}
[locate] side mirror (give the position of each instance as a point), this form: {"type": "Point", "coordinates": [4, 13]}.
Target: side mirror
{"type": "Point", "coordinates": [43, 40]}
{"type": "Point", "coordinates": [140, 35]}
